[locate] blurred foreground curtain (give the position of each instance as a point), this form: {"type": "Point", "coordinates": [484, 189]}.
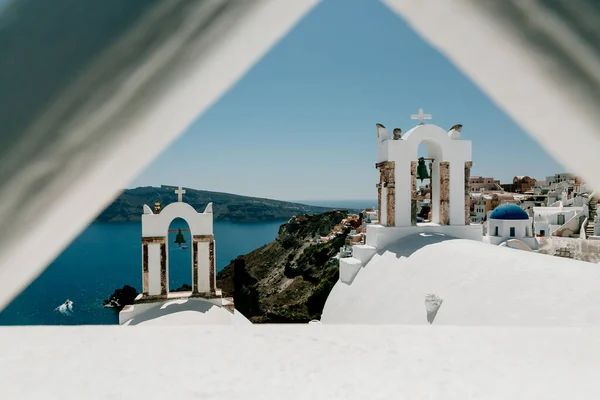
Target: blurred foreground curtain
{"type": "Point", "coordinates": [91, 91]}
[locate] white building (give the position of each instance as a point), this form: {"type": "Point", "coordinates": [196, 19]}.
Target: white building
{"type": "Point", "coordinates": [369, 216]}
{"type": "Point", "coordinates": [450, 159]}
{"type": "Point", "coordinates": [563, 186]}
{"type": "Point", "coordinates": [548, 220]}
{"type": "Point", "coordinates": [571, 210]}
{"type": "Point", "coordinates": [553, 180]}
{"type": "Point", "coordinates": [510, 222]}
{"type": "Point", "coordinates": [446, 272]}
{"type": "Point", "coordinates": [478, 210]}
{"type": "Point", "coordinates": [508, 225]}
{"type": "Point", "coordinates": [437, 272]}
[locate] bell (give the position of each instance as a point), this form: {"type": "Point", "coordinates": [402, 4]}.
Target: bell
{"type": "Point", "coordinates": [422, 170]}
{"type": "Point", "coordinates": [179, 239]}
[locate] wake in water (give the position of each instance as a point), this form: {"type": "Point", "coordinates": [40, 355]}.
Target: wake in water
{"type": "Point", "coordinates": [65, 308]}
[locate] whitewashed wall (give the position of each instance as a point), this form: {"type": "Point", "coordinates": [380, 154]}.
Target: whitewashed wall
{"type": "Point", "coordinates": [158, 224]}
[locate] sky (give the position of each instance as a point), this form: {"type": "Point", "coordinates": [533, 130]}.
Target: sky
{"type": "Point", "coordinates": [300, 125]}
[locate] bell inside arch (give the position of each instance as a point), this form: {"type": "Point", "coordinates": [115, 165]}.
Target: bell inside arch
{"type": "Point", "coordinates": [179, 239]}
{"type": "Point", "coordinates": [422, 172]}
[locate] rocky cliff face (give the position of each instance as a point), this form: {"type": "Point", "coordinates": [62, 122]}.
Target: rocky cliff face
{"type": "Point", "coordinates": [289, 279]}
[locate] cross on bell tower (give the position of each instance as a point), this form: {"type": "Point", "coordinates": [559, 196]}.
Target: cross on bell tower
{"type": "Point", "coordinates": [420, 116]}
{"type": "Point", "coordinates": [180, 192]}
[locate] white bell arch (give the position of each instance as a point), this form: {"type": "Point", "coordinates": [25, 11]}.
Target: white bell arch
{"type": "Point", "coordinates": [155, 261]}
{"type": "Point", "coordinates": [396, 161]}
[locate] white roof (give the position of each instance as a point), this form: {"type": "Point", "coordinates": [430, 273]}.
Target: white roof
{"type": "Point", "coordinates": [481, 284]}
{"type": "Point", "coordinates": [217, 316]}
{"type": "Point", "coordinates": [299, 362]}
{"type": "Point", "coordinates": [553, 210]}
{"type": "Point", "coordinates": [186, 312]}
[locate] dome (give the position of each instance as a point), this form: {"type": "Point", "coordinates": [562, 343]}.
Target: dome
{"type": "Point", "coordinates": [509, 212]}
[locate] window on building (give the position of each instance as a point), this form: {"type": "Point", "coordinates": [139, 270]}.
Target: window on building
{"type": "Point", "coordinates": [560, 219]}
{"type": "Point", "coordinates": [496, 231]}
{"type": "Point", "coordinates": [512, 231]}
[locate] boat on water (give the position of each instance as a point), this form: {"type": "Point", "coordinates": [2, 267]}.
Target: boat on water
{"type": "Point", "coordinates": [65, 308]}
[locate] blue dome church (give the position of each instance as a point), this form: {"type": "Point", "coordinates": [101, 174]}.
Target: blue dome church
{"type": "Point", "coordinates": [509, 224]}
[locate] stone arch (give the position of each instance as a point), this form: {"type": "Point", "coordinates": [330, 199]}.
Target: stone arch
{"type": "Point", "coordinates": [198, 222]}
{"type": "Point", "coordinates": [433, 147]}
{"type": "Point", "coordinates": [155, 255]}
{"type": "Point", "coordinates": [433, 134]}
{"type": "Point", "coordinates": [180, 261]}
{"type": "Point", "coordinates": [434, 160]}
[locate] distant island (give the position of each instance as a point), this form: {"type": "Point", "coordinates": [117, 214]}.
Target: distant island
{"type": "Point", "coordinates": [226, 207]}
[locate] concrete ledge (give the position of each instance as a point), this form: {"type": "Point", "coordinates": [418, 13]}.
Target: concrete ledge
{"type": "Point", "coordinates": [372, 234]}
{"type": "Point", "coordinates": [349, 268]}
{"type": "Point", "coordinates": [580, 249]}
{"type": "Point", "coordinates": [363, 253]}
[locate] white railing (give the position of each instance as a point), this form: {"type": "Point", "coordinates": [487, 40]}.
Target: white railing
{"type": "Point", "coordinates": [582, 234]}
{"type": "Point", "coordinates": [569, 222]}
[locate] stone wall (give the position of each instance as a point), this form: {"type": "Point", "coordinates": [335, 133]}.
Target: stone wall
{"type": "Point", "coordinates": [387, 179]}
{"type": "Point", "coordinates": [413, 192]}
{"type": "Point", "coordinates": [444, 193]}
{"type": "Point", "coordinates": [379, 197]}
{"type": "Point", "coordinates": [577, 249]}
{"type": "Point", "coordinates": [468, 166]}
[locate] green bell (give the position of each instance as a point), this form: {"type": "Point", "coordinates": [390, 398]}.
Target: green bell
{"type": "Point", "coordinates": [422, 170]}
{"type": "Point", "coordinates": [179, 238]}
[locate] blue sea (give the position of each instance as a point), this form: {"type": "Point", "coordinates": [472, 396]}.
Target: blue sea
{"type": "Point", "coordinates": [107, 256]}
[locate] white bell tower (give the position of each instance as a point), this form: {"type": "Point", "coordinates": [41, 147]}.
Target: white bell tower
{"type": "Point", "coordinates": [450, 163]}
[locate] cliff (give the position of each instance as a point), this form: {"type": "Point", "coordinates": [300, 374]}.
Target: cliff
{"type": "Point", "coordinates": [226, 207]}
{"type": "Point", "coordinates": [289, 279]}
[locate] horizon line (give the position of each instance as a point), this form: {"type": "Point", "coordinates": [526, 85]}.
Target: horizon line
{"type": "Point", "coordinates": [244, 195]}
